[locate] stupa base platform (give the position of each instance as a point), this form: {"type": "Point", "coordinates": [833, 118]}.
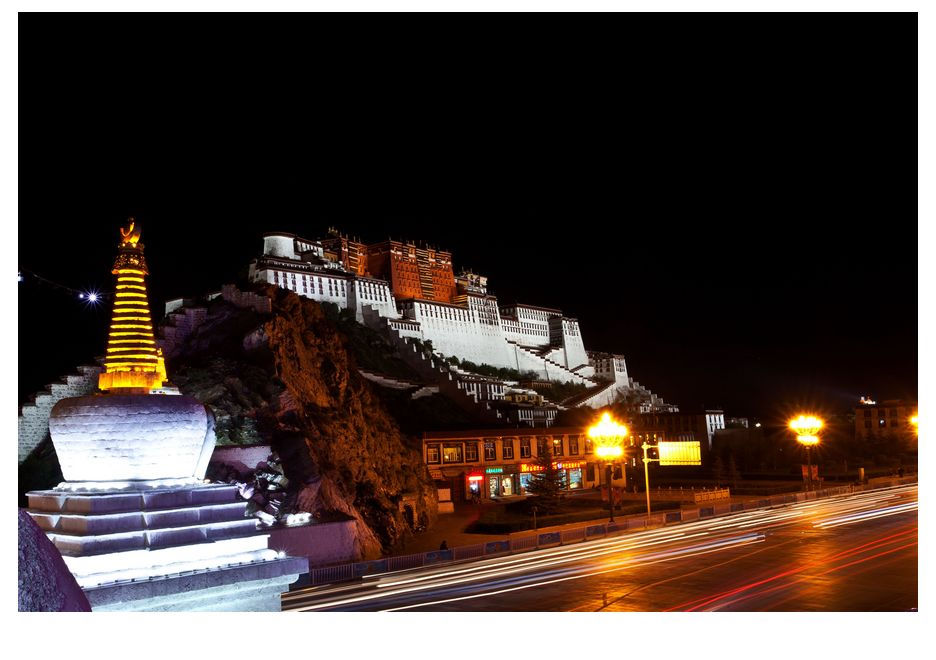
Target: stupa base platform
{"type": "Point", "coordinates": [182, 548]}
{"type": "Point", "coordinates": [254, 587]}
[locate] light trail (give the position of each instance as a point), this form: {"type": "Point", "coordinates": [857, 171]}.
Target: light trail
{"type": "Point", "coordinates": [683, 554]}
{"type": "Point", "coordinates": [844, 554]}
{"type": "Point", "coordinates": [491, 576]}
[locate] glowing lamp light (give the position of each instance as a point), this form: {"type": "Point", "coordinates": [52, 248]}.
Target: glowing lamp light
{"type": "Point", "coordinates": [806, 426]}
{"type": "Point", "coordinates": [607, 452]}
{"type": "Point", "coordinates": [608, 437]}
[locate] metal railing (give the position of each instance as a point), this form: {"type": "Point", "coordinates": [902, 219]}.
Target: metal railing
{"type": "Point", "coordinates": [346, 572]}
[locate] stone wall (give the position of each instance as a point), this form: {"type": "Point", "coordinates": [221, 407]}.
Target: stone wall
{"type": "Point", "coordinates": [246, 299]}
{"type": "Point", "coordinates": [321, 543]}
{"type": "Point", "coordinates": [34, 417]}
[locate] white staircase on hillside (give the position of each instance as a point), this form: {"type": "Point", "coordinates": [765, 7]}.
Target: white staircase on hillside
{"type": "Point", "coordinates": [550, 365]}
{"type": "Point", "coordinates": [34, 416]}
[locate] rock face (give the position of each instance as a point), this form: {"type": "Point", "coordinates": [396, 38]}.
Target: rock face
{"type": "Point", "coordinates": [45, 583]}
{"type": "Point", "coordinates": [117, 437]}
{"type": "Point", "coordinates": [291, 379]}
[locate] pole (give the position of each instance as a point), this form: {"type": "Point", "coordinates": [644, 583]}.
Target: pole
{"type": "Point", "coordinates": [646, 480]}
{"type": "Point", "coordinates": [610, 492]}
{"type": "Point", "coordinates": [808, 470]}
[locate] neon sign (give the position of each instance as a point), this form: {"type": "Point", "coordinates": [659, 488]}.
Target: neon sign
{"type": "Point", "coordinates": [475, 477]}
{"type": "Point", "coordinates": [559, 465]}
{"type": "Point", "coordinates": [494, 470]}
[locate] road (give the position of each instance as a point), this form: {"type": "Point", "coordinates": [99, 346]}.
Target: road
{"type": "Point", "coordinates": [853, 552]}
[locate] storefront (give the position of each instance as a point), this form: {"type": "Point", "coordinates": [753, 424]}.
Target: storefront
{"type": "Point", "coordinates": [572, 471]}
{"type": "Point", "coordinates": [501, 482]}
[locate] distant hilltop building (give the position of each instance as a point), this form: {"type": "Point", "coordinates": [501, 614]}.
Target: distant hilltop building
{"type": "Point", "coordinates": [876, 419]}
{"type": "Point", "coordinates": [414, 290]}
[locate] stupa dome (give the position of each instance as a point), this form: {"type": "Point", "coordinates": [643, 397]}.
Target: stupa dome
{"type": "Point", "coordinates": [129, 437]}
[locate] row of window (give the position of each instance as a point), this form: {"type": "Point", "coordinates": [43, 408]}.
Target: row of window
{"type": "Point", "coordinates": [891, 412]}
{"type": "Point", "coordinates": [307, 284]}
{"type": "Point", "coordinates": [467, 452]}
{"type": "Point", "coordinates": [894, 422]}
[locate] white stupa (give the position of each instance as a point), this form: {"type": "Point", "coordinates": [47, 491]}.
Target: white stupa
{"type": "Point", "coordinates": [135, 522]}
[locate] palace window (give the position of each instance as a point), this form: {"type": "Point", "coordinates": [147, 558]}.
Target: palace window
{"type": "Point", "coordinates": [588, 446]}
{"type": "Point", "coordinates": [507, 448]}
{"type": "Point", "coordinates": [525, 448]}
{"type": "Point", "coordinates": [557, 446]}
{"type": "Point", "coordinates": [432, 453]}
{"type": "Point", "coordinates": [542, 446]}
{"type": "Point", "coordinates": [471, 452]}
{"type": "Point", "coordinates": [452, 453]}
{"type": "Point", "coordinates": [573, 445]}
{"type": "Point", "coordinates": [490, 453]}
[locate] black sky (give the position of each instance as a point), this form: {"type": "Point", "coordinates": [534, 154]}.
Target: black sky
{"type": "Point", "coordinates": [729, 203]}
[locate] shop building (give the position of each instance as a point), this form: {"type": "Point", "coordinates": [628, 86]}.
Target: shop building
{"type": "Point", "coordinates": [497, 463]}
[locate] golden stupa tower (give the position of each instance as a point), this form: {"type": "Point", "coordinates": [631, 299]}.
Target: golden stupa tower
{"type": "Point", "coordinates": [134, 363]}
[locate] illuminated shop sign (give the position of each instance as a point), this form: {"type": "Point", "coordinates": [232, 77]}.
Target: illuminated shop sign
{"type": "Point", "coordinates": [496, 470]}
{"type": "Point", "coordinates": [559, 465]}
{"type": "Point", "coordinates": [475, 477]}
{"type": "Point", "coordinates": [680, 453]}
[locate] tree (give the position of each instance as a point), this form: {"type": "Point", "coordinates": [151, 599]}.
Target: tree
{"type": "Point", "coordinates": [733, 475]}
{"type": "Point", "coordinates": [548, 483]}
{"type": "Point", "coordinates": [718, 470]}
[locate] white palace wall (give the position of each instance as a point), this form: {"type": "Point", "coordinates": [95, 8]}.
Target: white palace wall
{"type": "Point", "coordinates": [522, 337]}
{"type": "Point", "coordinates": [456, 331]}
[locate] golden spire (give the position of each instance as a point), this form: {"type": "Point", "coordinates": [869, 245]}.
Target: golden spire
{"type": "Point", "coordinates": [134, 363]}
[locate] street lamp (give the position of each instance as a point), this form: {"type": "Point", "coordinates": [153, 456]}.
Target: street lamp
{"type": "Point", "coordinates": [806, 428]}
{"type": "Point", "coordinates": [608, 439]}
{"type": "Point", "coordinates": [915, 420]}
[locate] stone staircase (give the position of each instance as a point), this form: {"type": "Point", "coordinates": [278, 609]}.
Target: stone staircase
{"type": "Point", "coordinates": [34, 415]}
{"type": "Point", "coordinates": [435, 372]}
{"type": "Point", "coordinates": [602, 394]}
{"type": "Point", "coordinates": [553, 370]}
{"type": "Point", "coordinates": [419, 390]}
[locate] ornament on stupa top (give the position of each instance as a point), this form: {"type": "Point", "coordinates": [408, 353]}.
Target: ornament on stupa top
{"type": "Point", "coordinates": [134, 364]}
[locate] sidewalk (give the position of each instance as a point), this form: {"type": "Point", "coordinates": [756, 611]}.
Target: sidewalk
{"type": "Point", "coordinates": [450, 527]}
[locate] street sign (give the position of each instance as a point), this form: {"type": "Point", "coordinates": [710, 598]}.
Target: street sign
{"type": "Point", "coordinates": [680, 453]}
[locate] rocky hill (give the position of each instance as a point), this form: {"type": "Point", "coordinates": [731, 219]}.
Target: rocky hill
{"type": "Point", "coordinates": [291, 380]}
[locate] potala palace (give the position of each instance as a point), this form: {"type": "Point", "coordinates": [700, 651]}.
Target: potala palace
{"type": "Point", "coordinates": [412, 292]}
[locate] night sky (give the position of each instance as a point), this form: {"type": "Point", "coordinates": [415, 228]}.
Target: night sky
{"type": "Point", "coordinates": [736, 214]}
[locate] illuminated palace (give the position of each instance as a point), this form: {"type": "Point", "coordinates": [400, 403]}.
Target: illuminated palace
{"type": "Point", "coordinates": [412, 290]}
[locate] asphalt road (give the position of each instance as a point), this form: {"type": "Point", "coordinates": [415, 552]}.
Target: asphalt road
{"type": "Point", "coordinates": [847, 553]}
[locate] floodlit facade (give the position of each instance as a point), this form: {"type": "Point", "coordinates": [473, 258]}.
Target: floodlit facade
{"type": "Point", "coordinates": [415, 289]}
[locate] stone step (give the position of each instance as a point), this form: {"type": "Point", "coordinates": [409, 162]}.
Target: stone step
{"type": "Point", "coordinates": [54, 501]}
{"type": "Point", "coordinates": [116, 523]}
{"type": "Point", "coordinates": [151, 539]}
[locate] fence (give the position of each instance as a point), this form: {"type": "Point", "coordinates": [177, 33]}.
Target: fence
{"type": "Point", "coordinates": [345, 572]}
